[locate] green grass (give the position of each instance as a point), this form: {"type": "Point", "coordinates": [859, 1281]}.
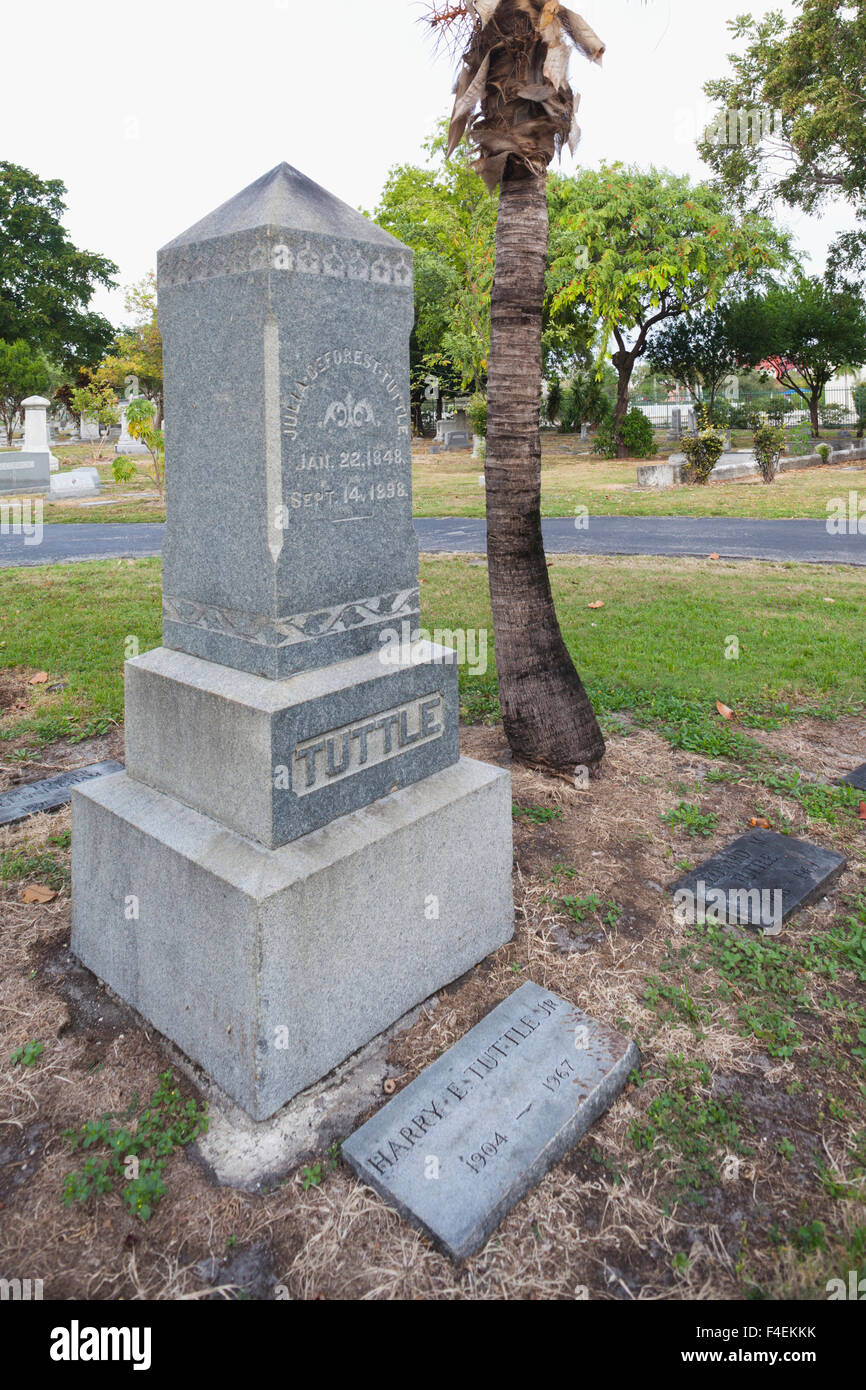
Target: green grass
{"type": "Point", "coordinates": [134, 1158]}
{"type": "Point", "coordinates": [656, 650]}
{"type": "Point", "coordinates": [23, 863]}
{"type": "Point", "coordinates": [686, 1122]}
{"type": "Point", "coordinates": [691, 819]}
{"type": "Point", "coordinates": [76, 622]}
{"type": "Point", "coordinates": [447, 485]}
{"type": "Point", "coordinates": [536, 815]}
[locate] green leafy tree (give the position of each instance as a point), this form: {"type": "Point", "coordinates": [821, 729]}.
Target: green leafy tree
{"type": "Point", "coordinates": [137, 350]}
{"type": "Point", "coordinates": [809, 330]}
{"type": "Point", "coordinates": [790, 123]}
{"type": "Point", "coordinates": [700, 351]}
{"type": "Point", "coordinates": [140, 423]}
{"type": "Point", "coordinates": [23, 373]}
{"type": "Point", "coordinates": [46, 283]}
{"type": "Point", "coordinates": [98, 404]}
{"type": "Point", "coordinates": [444, 214]}
{"type": "Point", "coordinates": [640, 248]}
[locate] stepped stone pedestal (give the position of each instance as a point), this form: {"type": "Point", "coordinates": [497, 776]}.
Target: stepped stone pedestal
{"type": "Point", "coordinates": [296, 853]}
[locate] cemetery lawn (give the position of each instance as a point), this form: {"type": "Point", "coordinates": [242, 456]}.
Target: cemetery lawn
{"type": "Point", "coordinates": [732, 1166]}
{"type": "Point", "coordinates": [135, 500]}
{"type": "Point", "coordinates": [447, 485]}
{"type": "Point", "coordinates": [656, 648]}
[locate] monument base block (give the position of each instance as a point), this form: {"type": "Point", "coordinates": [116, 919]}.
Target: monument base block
{"type": "Point", "coordinates": [270, 967]}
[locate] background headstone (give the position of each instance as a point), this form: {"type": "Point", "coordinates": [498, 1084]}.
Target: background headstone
{"type": "Point", "coordinates": [751, 870]}
{"type": "Point", "coordinates": [25, 472]}
{"type": "Point", "coordinates": [74, 482]}
{"type": "Point", "coordinates": [36, 429]}
{"type": "Point", "coordinates": [125, 443]}
{"type": "Point", "coordinates": [50, 792]}
{"type": "Point", "coordinates": [857, 778]}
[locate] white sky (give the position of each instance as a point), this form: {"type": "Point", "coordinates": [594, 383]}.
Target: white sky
{"type": "Point", "coordinates": [154, 113]}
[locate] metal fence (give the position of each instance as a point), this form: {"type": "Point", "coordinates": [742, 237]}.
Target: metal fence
{"type": "Point", "coordinates": [841, 406]}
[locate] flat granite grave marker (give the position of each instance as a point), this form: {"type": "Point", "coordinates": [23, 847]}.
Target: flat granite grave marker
{"type": "Point", "coordinates": [49, 793]}
{"type": "Point", "coordinates": [22, 471]}
{"type": "Point", "coordinates": [309, 854]}
{"type": "Point", "coordinates": [857, 778]}
{"type": "Point", "coordinates": [458, 1147]}
{"type": "Point", "coordinates": [759, 880]}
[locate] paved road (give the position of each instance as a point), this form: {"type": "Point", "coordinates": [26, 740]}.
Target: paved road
{"type": "Point", "coordinates": [806, 542]}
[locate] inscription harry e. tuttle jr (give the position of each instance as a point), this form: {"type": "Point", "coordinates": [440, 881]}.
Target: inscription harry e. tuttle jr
{"type": "Point", "coordinates": [459, 1146]}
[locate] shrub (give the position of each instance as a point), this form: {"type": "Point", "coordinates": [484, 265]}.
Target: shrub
{"type": "Point", "coordinates": [703, 451]}
{"type": "Point", "coordinates": [768, 442]}
{"type": "Point", "coordinates": [553, 402]}
{"type": "Point", "coordinates": [637, 435]}
{"type": "Point", "coordinates": [477, 415]}
{"type": "Point", "coordinates": [824, 451]}
{"type": "Point", "coordinates": [122, 468]}
{"type": "Point", "coordinates": [584, 399]}
{"type": "Point", "coordinates": [605, 444]}
{"type": "Point", "coordinates": [723, 412]}
{"type": "Point", "coordinates": [800, 440]}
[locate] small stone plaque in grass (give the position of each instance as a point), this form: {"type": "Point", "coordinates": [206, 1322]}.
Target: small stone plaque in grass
{"type": "Point", "coordinates": [857, 778]}
{"type": "Point", "coordinates": [759, 880]}
{"type": "Point", "coordinates": [50, 793]}
{"type": "Point", "coordinates": [458, 1147]}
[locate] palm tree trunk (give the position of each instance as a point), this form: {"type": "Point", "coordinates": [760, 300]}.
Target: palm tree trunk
{"type": "Point", "coordinates": [546, 712]}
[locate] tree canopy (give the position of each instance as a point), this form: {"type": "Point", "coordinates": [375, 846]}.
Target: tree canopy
{"type": "Point", "coordinates": [700, 351]}
{"type": "Point", "coordinates": [640, 247]}
{"type": "Point", "coordinates": [46, 283]}
{"type": "Point", "coordinates": [810, 330]}
{"type": "Point", "coordinates": [137, 349]}
{"type": "Point", "coordinates": [796, 98]}
{"type": "Point", "coordinates": [23, 373]}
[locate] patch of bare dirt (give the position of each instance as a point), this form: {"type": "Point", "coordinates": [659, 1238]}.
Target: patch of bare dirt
{"type": "Point", "coordinates": [823, 749]}
{"type": "Point", "coordinates": [603, 1223]}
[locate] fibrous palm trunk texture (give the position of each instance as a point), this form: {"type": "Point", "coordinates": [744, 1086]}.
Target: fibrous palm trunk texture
{"type": "Point", "coordinates": [513, 101]}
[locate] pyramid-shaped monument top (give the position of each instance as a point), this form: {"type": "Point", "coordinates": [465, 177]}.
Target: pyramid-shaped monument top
{"type": "Point", "coordinates": [284, 198]}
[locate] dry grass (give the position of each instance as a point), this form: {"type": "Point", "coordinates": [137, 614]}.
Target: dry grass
{"type": "Point", "coordinates": [608, 1222]}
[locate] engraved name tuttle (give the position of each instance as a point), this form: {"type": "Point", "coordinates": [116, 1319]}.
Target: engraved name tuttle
{"type": "Point", "coordinates": [343, 752]}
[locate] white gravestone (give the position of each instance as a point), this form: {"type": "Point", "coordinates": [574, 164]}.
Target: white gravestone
{"type": "Point", "coordinates": [126, 444]}
{"type": "Point", "coordinates": [36, 439]}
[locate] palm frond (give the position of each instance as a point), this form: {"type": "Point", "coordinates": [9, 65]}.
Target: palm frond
{"type": "Point", "coordinates": [512, 95]}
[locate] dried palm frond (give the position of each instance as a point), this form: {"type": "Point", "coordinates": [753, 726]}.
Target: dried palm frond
{"type": "Point", "coordinates": [512, 95]}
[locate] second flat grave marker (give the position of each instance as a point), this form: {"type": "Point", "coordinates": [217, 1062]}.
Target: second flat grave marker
{"type": "Point", "coordinates": [759, 880]}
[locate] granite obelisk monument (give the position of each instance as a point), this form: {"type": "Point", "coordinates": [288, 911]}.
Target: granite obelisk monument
{"type": "Point", "coordinates": [296, 853]}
